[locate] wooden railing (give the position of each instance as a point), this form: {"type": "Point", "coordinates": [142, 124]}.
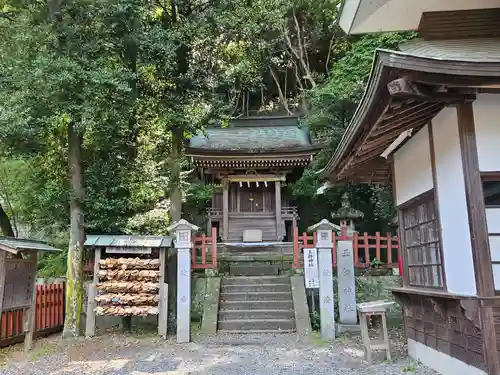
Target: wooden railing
{"type": "Point", "coordinates": [204, 251]}
{"type": "Point", "coordinates": [377, 250]}
{"type": "Point", "coordinates": [49, 316]}
{"type": "Point", "coordinates": [292, 210]}
{"type": "Point", "coordinates": [211, 212]}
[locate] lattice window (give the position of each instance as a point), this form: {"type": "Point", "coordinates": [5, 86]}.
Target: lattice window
{"type": "Point", "coordinates": [422, 246]}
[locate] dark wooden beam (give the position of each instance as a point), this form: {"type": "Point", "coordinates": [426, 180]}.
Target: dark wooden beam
{"type": "Point", "coordinates": [423, 114]}
{"type": "Point", "coordinates": [403, 87]}
{"type": "Point", "coordinates": [390, 136]}
{"type": "Point", "coordinates": [478, 230]}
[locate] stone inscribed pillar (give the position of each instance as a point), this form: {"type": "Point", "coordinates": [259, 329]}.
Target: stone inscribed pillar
{"type": "Point", "coordinates": [346, 283]}
{"type": "Point", "coordinates": [183, 245]}
{"type": "Point", "coordinates": [326, 299]}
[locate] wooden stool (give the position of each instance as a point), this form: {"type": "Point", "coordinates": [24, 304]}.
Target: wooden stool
{"type": "Point", "coordinates": [366, 311]}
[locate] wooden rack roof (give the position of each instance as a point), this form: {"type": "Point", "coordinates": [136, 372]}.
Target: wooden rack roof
{"type": "Point", "coordinates": [405, 91]}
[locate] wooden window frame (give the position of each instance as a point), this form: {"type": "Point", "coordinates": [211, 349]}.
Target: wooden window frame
{"type": "Point", "coordinates": [491, 177]}
{"type": "Point", "coordinates": [426, 197]}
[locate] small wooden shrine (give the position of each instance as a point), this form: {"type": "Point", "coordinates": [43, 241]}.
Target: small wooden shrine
{"type": "Point", "coordinates": [18, 265]}
{"type": "Point", "coordinates": [129, 278]}
{"type": "Point", "coordinates": [250, 161]}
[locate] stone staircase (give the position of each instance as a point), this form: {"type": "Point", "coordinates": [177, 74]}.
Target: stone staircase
{"type": "Point", "coordinates": [256, 304]}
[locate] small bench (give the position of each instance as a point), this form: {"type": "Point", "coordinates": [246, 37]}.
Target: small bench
{"type": "Point", "coordinates": [366, 310]}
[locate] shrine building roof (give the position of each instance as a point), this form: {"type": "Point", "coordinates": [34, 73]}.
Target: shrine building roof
{"type": "Point", "coordinates": [254, 135]}
{"type": "Point", "coordinates": [254, 142]}
{"type": "Point", "coordinates": [14, 245]}
{"type": "Point", "coordinates": [406, 89]}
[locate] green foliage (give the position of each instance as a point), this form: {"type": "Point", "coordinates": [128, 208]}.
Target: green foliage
{"type": "Point", "coordinates": [130, 75]}
{"type": "Point", "coordinates": [152, 222]}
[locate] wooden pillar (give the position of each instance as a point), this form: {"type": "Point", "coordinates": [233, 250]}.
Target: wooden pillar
{"type": "Point", "coordinates": [3, 272]}
{"type": "Point", "coordinates": [163, 302]}
{"type": "Point", "coordinates": [30, 313]}
{"type": "Point", "coordinates": [478, 230]}
{"type": "Point", "coordinates": [279, 229]}
{"type": "Point", "coordinates": [225, 209]}
{"type": "Point", "coordinates": [91, 293]}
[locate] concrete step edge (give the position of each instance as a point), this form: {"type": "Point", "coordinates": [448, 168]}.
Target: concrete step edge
{"type": "Point", "coordinates": [255, 285]}
{"type": "Point", "coordinates": [259, 320]}
{"type": "Point", "coordinates": [264, 293]}
{"type": "Point", "coordinates": [261, 301]}
{"type": "Point", "coordinates": [255, 310]}
{"type": "Point", "coordinates": [250, 331]}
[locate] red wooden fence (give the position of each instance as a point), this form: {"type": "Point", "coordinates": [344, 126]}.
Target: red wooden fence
{"type": "Point", "coordinates": [366, 248]}
{"type": "Point", "coordinates": [49, 315]}
{"type": "Point", "coordinates": [204, 251]}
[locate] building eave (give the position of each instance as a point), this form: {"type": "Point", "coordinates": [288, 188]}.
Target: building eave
{"type": "Point", "coordinates": [377, 101]}
{"type": "Point", "coordinates": [371, 16]}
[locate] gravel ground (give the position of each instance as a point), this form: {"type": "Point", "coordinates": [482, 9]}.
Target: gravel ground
{"type": "Point", "coordinates": [115, 354]}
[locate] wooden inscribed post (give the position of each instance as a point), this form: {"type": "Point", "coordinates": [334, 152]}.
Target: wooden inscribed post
{"type": "Point", "coordinates": [91, 303]}
{"type": "Point", "coordinates": [163, 303]}
{"type": "Point", "coordinates": [30, 313]}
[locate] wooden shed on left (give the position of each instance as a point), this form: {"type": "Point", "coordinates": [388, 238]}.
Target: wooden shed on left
{"type": "Point", "coordinates": [18, 266]}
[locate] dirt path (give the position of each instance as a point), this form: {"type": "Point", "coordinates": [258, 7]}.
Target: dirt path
{"type": "Point", "coordinates": [114, 354]}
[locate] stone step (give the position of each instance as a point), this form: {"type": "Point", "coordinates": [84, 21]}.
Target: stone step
{"type": "Point", "coordinates": [256, 288]}
{"type": "Point", "coordinates": [255, 314]}
{"type": "Point", "coordinates": [256, 296]}
{"type": "Point", "coordinates": [257, 324]}
{"type": "Point", "coordinates": [256, 305]}
{"type": "Point", "coordinates": [253, 270]}
{"type": "Point", "coordinates": [254, 280]}
{"type": "Point", "coordinates": [257, 331]}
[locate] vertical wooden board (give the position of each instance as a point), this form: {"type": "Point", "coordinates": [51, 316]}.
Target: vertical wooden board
{"type": "Point", "coordinates": [30, 315]}
{"type": "Point", "coordinates": [90, 318]}
{"type": "Point", "coordinates": [3, 328]}
{"type": "Point", "coordinates": [97, 259]}
{"type": "Point", "coordinates": [203, 250]}
{"type": "Point", "coordinates": [3, 257]}
{"type": "Point", "coordinates": [10, 324]}
{"type": "Point", "coordinates": [38, 307]}
{"type": "Point", "coordinates": [214, 247]}
{"type": "Point", "coordinates": [367, 248]}
{"type": "Point", "coordinates": [389, 249]}
{"type": "Point", "coordinates": [43, 306]}
{"type": "Point", "coordinates": [163, 311]}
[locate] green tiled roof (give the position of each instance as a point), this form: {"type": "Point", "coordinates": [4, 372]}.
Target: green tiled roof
{"type": "Point", "coordinates": [17, 244]}
{"type": "Point", "coordinates": [254, 135]}
{"type": "Point", "coordinates": [128, 241]}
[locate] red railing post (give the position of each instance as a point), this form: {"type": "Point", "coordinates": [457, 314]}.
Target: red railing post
{"type": "Point", "coordinates": [367, 249]}
{"type": "Point", "coordinates": [355, 244]}
{"type": "Point", "coordinates": [389, 250]}
{"type": "Point", "coordinates": [214, 247]}
{"type": "Point", "coordinates": [295, 247]}
{"type": "Point", "coordinates": [203, 249]}
{"type": "Point", "coordinates": [377, 246]}
{"type": "Point", "coordinates": [334, 249]}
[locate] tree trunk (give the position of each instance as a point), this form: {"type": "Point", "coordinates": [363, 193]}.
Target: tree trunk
{"type": "Point", "coordinates": [175, 192]}
{"type": "Point", "coordinates": [5, 225]}
{"type": "Point", "coordinates": [74, 274]}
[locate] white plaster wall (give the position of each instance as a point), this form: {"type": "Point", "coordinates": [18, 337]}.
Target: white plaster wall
{"type": "Point", "coordinates": [456, 243]}
{"type": "Point", "coordinates": [493, 223]}
{"type": "Point", "coordinates": [412, 167]}
{"type": "Point", "coordinates": [487, 124]}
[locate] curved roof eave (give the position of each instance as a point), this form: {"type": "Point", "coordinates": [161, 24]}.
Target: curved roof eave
{"type": "Point", "coordinates": [394, 60]}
